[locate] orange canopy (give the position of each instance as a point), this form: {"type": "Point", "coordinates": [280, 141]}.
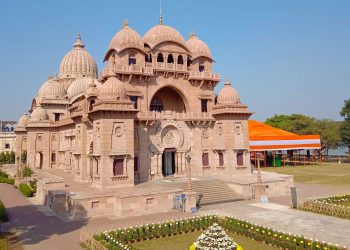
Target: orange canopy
{"type": "Point", "coordinates": [264, 137]}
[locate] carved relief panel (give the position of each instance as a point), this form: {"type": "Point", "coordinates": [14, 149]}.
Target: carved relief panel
{"type": "Point", "coordinates": [170, 134]}
{"type": "Point", "coordinates": [238, 133]}
{"type": "Point", "coordinates": [118, 137]}
{"type": "Point", "coordinates": [205, 138]}
{"type": "Point", "coordinates": [219, 137]}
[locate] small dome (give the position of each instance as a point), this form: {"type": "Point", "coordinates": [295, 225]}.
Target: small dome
{"type": "Point", "coordinates": [197, 47]}
{"type": "Point", "coordinates": [39, 114]}
{"type": "Point", "coordinates": [93, 89]}
{"type": "Point", "coordinates": [126, 38]}
{"type": "Point", "coordinates": [78, 62]}
{"type": "Point", "coordinates": [80, 86]}
{"type": "Point", "coordinates": [51, 89]}
{"type": "Point", "coordinates": [228, 95]}
{"type": "Point", "coordinates": [113, 88]}
{"type": "Point", "coordinates": [23, 121]}
{"type": "Point", "coordinates": [162, 33]}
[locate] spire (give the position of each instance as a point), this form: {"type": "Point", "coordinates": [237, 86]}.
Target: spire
{"type": "Point", "coordinates": [125, 23]}
{"type": "Point", "coordinates": [160, 13]}
{"type": "Point", "coordinates": [78, 43]}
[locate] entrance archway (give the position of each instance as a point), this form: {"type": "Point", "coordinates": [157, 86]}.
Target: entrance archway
{"type": "Point", "coordinates": [39, 160]}
{"type": "Point", "coordinates": [168, 162]}
{"type": "Point", "coordinates": [168, 98]}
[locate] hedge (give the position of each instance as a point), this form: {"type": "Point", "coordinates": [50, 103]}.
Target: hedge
{"type": "Point", "coordinates": [7, 180]}
{"type": "Point", "coordinates": [25, 190]}
{"type": "Point", "coordinates": [332, 205]}
{"type": "Point", "coordinates": [121, 238]}
{"type": "Point", "coordinates": [3, 216]}
{"type": "Point", "coordinates": [3, 174]}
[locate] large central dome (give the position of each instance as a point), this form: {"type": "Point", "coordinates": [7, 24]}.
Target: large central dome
{"type": "Point", "coordinates": [162, 33]}
{"type": "Point", "coordinates": [78, 62]}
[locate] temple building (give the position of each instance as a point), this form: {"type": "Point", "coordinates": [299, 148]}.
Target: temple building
{"type": "Point", "coordinates": [137, 119]}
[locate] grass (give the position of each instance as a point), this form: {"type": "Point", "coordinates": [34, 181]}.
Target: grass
{"type": "Point", "coordinates": [3, 244]}
{"type": "Point", "coordinates": [183, 242]}
{"type": "Point", "coordinates": [324, 174]}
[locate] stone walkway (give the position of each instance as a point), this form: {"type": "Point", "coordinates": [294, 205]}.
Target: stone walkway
{"type": "Point", "coordinates": [285, 219]}
{"type": "Point", "coordinates": [40, 231]}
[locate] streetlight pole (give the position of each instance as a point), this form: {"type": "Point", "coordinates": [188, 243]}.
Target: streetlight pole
{"type": "Point", "coordinates": [259, 172]}
{"type": "Point", "coordinates": [189, 181]}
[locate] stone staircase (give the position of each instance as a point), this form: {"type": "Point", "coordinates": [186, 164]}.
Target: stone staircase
{"type": "Point", "coordinates": [209, 191]}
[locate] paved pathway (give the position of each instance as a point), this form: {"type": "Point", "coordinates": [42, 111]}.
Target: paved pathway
{"type": "Point", "coordinates": [40, 231]}
{"type": "Point", "coordinates": [285, 219]}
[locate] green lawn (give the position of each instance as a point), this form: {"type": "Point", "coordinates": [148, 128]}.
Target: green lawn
{"type": "Point", "coordinates": [183, 241]}
{"type": "Point", "coordinates": [3, 244]}
{"type": "Point", "coordinates": [323, 174]}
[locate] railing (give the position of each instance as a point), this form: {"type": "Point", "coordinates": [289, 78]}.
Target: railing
{"type": "Point", "coordinates": [153, 115]}
{"type": "Point", "coordinates": [203, 75]}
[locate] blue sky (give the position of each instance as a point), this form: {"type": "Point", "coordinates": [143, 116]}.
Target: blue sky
{"type": "Point", "coordinates": [282, 56]}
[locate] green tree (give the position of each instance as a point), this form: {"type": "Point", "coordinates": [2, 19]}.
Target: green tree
{"type": "Point", "coordinates": [345, 126]}
{"type": "Point", "coordinates": [329, 130]}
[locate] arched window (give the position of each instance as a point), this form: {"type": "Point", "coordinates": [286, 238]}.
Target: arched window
{"type": "Point", "coordinates": [240, 161]}
{"type": "Point", "coordinates": [156, 105]}
{"type": "Point", "coordinates": [132, 58]}
{"type": "Point", "coordinates": [148, 58]}
{"type": "Point", "coordinates": [205, 160]}
{"type": "Point", "coordinates": [221, 159]}
{"type": "Point", "coordinates": [188, 62]}
{"type": "Point", "coordinates": [160, 57]}
{"type": "Point", "coordinates": [91, 104]}
{"type": "Point", "coordinates": [170, 58]}
{"type": "Point", "coordinates": [180, 59]}
{"type": "Point", "coordinates": [201, 66]}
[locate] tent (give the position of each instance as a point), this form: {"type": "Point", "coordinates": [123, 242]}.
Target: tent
{"type": "Point", "coordinates": [263, 137]}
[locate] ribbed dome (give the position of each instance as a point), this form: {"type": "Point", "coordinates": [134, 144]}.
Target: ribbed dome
{"type": "Point", "coordinates": [23, 121]}
{"type": "Point", "coordinates": [78, 62]}
{"type": "Point", "coordinates": [197, 47]}
{"type": "Point", "coordinates": [126, 38]}
{"type": "Point", "coordinates": [228, 95]}
{"type": "Point", "coordinates": [39, 114]}
{"type": "Point", "coordinates": [80, 86]}
{"type": "Point", "coordinates": [51, 89]}
{"type": "Point", "coordinates": [113, 88]}
{"type": "Point", "coordinates": [93, 89]}
{"type": "Point", "coordinates": [162, 33]}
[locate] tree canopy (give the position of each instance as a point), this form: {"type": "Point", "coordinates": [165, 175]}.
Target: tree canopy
{"type": "Point", "coordinates": [344, 129]}
{"type": "Point", "coordinates": [329, 130]}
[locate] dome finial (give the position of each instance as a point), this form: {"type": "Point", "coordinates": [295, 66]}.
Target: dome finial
{"type": "Point", "coordinates": [228, 82]}
{"type": "Point", "coordinates": [192, 34]}
{"type": "Point", "coordinates": [50, 77]}
{"type": "Point", "coordinates": [160, 13]}
{"type": "Point", "coordinates": [78, 43]}
{"type": "Point", "coordinates": [125, 23]}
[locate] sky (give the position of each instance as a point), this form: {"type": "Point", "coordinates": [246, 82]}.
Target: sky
{"type": "Point", "coordinates": [283, 57]}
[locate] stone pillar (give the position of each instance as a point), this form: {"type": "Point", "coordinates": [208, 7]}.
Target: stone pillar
{"type": "Point", "coordinates": [190, 201]}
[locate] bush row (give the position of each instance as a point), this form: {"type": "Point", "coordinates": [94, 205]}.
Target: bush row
{"type": "Point", "coordinates": [25, 189]}
{"type": "Point", "coordinates": [7, 180]}
{"type": "Point", "coordinates": [3, 216]}
{"type": "Point", "coordinates": [121, 238]}
{"type": "Point", "coordinates": [7, 157]}
{"type": "Point", "coordinates": [333, 205]}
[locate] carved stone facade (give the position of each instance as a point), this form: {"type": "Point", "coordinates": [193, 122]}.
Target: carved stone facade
{"type": "Point", "coordinates": [152, 105]}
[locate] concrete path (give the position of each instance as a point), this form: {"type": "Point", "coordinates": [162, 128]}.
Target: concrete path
{"type": "Point", "coordinates": [40, 231]}
{"type": "Point", "coordinates": [285, 219]}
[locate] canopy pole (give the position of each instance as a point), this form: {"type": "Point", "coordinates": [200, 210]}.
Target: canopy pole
{"type": "Point", "coordinates": [274, 159]}
{"type": "Point", "coordinates": [295, 158]}
{"type": "Point", "coordinates": [265, 159]}
{"type": "Point", "coordinates": [284, 158]}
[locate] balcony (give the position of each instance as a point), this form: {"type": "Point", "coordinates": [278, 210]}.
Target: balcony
{"type": "Point", "coordinates": [186, 116]}
{"type": "Point", "coordinates": [172, 67]}
{"type": "Point", "coordinates": [204, 75]}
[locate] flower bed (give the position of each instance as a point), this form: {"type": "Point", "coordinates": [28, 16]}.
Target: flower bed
{"type": "Point", "coordinates": [122, 238]}
{"type": "Point", "coordinates": [332, 205]}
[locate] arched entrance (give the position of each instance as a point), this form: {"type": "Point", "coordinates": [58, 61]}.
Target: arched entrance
{"type": "Point", "coordinates": [39, 160]}
{"type": "Point", "coordinates": [168, 162]}
{"type": "Point", "coordinates": [168, 98]}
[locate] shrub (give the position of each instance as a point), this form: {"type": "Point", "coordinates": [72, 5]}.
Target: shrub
{"type": "Point", "coordinates": [27, 171]}
{"type": "Point", "coordinates": [33, 185]}
{"type": "Point", "coordinates": [7, 157]}
{"type": "Point", "coordinates": [3, 174]}
{"type": "Point", "coordinates": [7, 180]}
{"type": "Point", "coordinates": [3, 216]}
{"type": "Point", "coordinates": [25, 190]}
